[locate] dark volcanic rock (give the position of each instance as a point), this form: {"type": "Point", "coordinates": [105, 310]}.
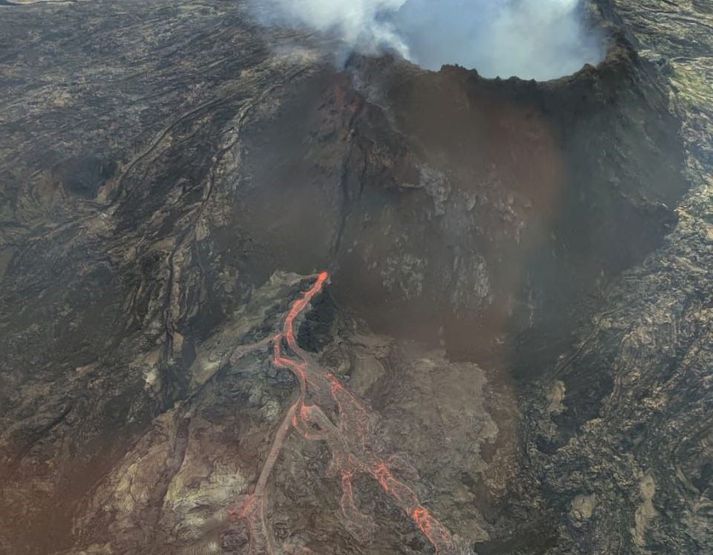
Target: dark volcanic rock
{"type": "Point", "coordinates": [83, 176]}
{"type": "Point", "coordinates": [626, 413]}
{"type": "Point", "coordinates": [520, 283]}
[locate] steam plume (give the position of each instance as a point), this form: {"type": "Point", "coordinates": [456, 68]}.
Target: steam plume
{"type": "Point", "coordinates": [539, 39]}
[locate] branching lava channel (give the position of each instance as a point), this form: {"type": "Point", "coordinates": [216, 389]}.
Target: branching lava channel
{"type": "Point", "coordinates": [350, 439]}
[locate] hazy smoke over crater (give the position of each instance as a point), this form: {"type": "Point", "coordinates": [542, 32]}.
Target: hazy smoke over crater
{"type": "Point", "coordinates": [540, 39]}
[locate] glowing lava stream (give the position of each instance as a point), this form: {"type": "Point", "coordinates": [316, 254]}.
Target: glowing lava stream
{"type": "Point", "coordinates": [351, 442]}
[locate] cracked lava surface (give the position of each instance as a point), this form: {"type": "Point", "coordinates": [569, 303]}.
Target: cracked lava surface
{"type": "Point", "coordinates": [351, 440]}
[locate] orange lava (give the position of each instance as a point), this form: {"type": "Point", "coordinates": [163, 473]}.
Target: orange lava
{"type": "Point", "coordinates": [350, 439]}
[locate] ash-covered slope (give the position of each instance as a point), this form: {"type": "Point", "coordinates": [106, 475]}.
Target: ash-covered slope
{"type": "Point", "coordinates": [621, 437]}
{"type": "Point", "coordinates": [166, 170]}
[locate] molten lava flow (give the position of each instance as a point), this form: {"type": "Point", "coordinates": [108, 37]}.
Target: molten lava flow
{"type": "Point", "coordinates": [351, 441]}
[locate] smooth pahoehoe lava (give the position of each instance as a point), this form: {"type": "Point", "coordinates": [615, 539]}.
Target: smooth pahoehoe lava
{"type": "Point", "coordinates": [351, 439]}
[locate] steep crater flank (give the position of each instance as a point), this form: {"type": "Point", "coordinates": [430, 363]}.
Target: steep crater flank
{"type": "Point", "coordinates": [455, 208]}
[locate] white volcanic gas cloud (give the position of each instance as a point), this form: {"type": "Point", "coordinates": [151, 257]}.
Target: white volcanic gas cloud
{"type": "Point", "coordinates": [539, 39]}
